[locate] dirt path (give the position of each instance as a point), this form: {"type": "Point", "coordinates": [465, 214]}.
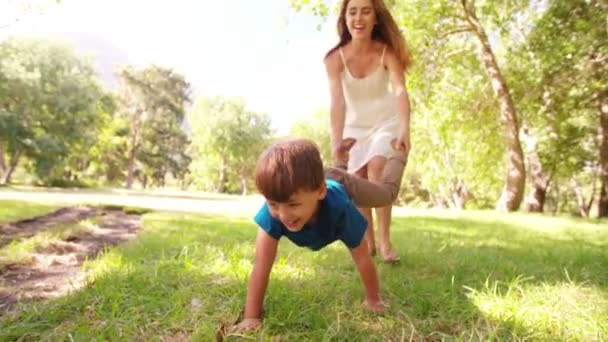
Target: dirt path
{"type": "Point", "coordinates": [29, 227]}
{"type": "Point", "coordinates": [56, 269]}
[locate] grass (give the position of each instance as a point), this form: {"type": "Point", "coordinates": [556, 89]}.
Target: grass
{"type": "Point", "coordinates": [17, 210]}
{"type": "Point", "coordinates": [21, 251]}
{"type": "Point", "coordinates": [464, 276]}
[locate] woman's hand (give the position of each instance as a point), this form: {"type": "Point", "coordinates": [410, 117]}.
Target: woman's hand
{"type": "Point", "coordinates": [340, 150]}
{"type": "Point", "coordinates": [403, 142]}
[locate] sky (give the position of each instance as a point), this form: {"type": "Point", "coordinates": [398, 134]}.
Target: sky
{"type": "Point", "coordinates": [259, 50]}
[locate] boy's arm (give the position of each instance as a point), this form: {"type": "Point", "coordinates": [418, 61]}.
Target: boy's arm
{"type": "Point", "coordinates": [369, 277]}
{"type": "Point", "coordinates": [265, 253]}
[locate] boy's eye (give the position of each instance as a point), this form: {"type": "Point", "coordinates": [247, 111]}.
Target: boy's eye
{"type": "Point", "coordinates": [294, 205]}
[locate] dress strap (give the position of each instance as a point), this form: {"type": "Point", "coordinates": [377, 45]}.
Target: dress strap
{"type": "Point", "coordinates": [382, 58]}
{"type": "Point", "coordinates": [342, 56]}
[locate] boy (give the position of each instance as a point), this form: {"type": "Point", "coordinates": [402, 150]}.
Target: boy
{"type": "Point", "coordinates": [313, 209]}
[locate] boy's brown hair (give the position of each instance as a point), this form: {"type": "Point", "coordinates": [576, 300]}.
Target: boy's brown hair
{"type": "Point", "coordinates": [287, 167]}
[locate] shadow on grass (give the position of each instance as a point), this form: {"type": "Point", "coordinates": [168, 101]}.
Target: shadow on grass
{"type": "Point", "coordinates": [445, 257]}
{"type": "Point", "coordinates": [470, 248]}
{"type": "Point", "coordinates": [187, 274]}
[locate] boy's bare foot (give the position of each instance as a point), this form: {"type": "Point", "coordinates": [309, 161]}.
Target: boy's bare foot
{"type": "Point", "coordinates": [389, 255]}
{"type": "Point", "coordinates": [341, 152]}
{"type": "Point", "coordinates": [375, 306]}
{"type": "Point", "coordinates": [248, 324]}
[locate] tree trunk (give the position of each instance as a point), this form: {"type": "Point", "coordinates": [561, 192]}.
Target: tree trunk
{"type": "Point", "coordinates": [135, 129]}
{"type": "Point", "coordinates": [131, 170]}
{"type": "Point", "coordinates": [439, 201]}
{"type": "Point", "coordinates": [540, 182]}
{"type": "Point", "coordinates": [221, 186]}
{"type": "Point", "coordinates": [2, 160]}
{"type": "Point", "coordinates": [603, 155]}
{"type": "Point", "coordinates": [244, 182]}
{"type": "Point", "coordinates": [557, 203]}
{"type": "Point", "coordinates": [584, 208]}
{"type": "Point", "coordinates": [460, 195]}
{"type": "Point", "coordinates": [8, 172]}
{"type": "Point", "coordinates": [513, 192]}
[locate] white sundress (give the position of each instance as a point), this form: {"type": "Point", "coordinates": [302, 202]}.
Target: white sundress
{"type": "Point", "coordinates": [371, 114]}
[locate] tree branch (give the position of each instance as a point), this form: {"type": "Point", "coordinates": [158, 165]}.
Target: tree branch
{"type": "Point", "coordinates": [458, 30]}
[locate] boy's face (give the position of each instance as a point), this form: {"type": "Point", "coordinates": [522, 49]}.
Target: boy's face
{"type": "Point", "coordinates": [300, 209]}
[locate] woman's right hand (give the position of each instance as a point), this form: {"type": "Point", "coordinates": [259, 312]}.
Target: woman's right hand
{"type": "Point", "coordinates": [340, 149]}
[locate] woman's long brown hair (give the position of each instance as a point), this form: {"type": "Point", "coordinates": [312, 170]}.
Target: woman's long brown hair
{"type": "Point", "coordinates": [386, 31]}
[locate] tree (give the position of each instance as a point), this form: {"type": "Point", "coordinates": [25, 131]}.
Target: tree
{"type": "Point", "coordinates": [152, 101]}
{"type": "Point", "coordinates": [108, 157]}
{"type": "Point", "coordinates": [47, 94]}
{"type": "Point", "coordinates": [561, 70]}
{"type": "Point", "coordinates": [315, 128]}
{"type": "Point", "coordinates": [227, 140]}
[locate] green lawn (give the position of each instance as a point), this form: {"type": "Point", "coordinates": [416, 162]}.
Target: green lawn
{"type": "Point", "coordinates": [17, 210]}
{"type": "Point", "coordinates": [464, 276]}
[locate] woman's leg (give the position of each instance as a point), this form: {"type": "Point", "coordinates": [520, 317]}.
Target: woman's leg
{"type": "Point", "coordinates": [367, 213]}
{"type": "Point", "coordinates": [375, 167]}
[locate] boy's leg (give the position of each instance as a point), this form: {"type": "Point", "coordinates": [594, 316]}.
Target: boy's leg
{"type": "Point", "coordinates": [367, 194]}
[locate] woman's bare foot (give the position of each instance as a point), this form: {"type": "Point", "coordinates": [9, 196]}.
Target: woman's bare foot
{"type": "Point", "coordinates": [375, 306]}
{"type": "Point", "coordinates": [247, 324]}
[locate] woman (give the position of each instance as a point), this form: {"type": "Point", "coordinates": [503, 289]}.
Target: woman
{"type": "Point", "coordinates": [370, 56]}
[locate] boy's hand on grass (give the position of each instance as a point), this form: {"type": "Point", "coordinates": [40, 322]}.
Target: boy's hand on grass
{"type": "Point", "coordinates": [375, 305]}
{"type": "Point", "coordinates": [248, 324]}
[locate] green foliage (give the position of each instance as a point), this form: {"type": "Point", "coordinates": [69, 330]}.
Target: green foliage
{"type": "Point", "coordinates": [553, 55]}
{"type": "Point", "coordinates": [315, 128]}
{"type": "Point", "coordinates": [152, 103]}
{"type": "Point", "coordinates": [109, 156]}
{"type": "Point", "coordinates": [227, 140]}
{"type": "Point", "coordinates": [557, 75]}
{"type": "Point", "coordinates": [18, 210]}
{"type": "Point", "coordinates": [47, 95]}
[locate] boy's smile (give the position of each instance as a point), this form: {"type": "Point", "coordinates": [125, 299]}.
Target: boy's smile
{"type": "Point", "coordinates": [300, 209]}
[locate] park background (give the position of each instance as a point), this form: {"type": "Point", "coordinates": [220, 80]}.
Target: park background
{"type": "Point", "coordinates": [159, 109]}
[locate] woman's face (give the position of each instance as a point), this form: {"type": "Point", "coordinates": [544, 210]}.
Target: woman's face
{"type": "Point", "coordinates": [360, 18]}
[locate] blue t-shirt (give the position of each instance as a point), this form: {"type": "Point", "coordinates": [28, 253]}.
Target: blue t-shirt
{"type": "Point", "coordinates": [338, 219]}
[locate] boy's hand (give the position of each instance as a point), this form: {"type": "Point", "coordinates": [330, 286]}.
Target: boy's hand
{"type": "Point", "coordinates": [248, 324]}
{"type": "Point", "coordinates": [375, 306]}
